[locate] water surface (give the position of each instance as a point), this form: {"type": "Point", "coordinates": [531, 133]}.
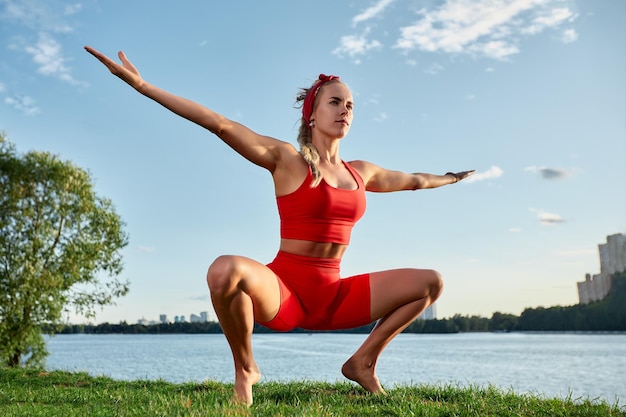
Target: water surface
{"type": "Point", "coordinates": [554, 365]}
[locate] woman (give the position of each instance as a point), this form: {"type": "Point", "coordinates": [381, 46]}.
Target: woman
{"type": "Point", "coordinates": [320, 197]}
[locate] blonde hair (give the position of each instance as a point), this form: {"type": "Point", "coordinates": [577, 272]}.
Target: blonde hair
{"type": "Point", "coordinates": [305, 139]}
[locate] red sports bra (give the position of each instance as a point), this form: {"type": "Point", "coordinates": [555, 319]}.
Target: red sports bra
{"type": "Point", "coordinates": [323, 213]}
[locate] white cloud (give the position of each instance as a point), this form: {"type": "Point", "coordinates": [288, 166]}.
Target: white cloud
{"type": "Point", "coordinates": [548, 219]}
{"type": "Point", "coordinates": [493, 172]}
{"type": "Point", "coordinates": [493, 49]}
{"type": "Point", "coordinates": [2, 88]}
{"type": "Point", "coordinates": [515, 230]}
{"type": "Point", "coordinates": [47, 54]}
{"type": "Point", "coordinates": [547, 19]}
{"type": "Point", "coordinates": [43, 19]}
{"type": "Point", "coordinates": [569, 36]}
{"type": "Point", "coordinates": [371, 11]}
{"type": "Point", "coordinates": [24, 104]}
{"type": "Point", "coordinates": [490, 28]}
{"type": "Point", "coordinates": [355, 45]}
{"type": "Point", "coordinates": [480, 28]}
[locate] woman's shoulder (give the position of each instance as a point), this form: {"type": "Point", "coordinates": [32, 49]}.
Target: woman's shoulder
{"type": "Point", "coordinates": [367, 170]}
{"type": "Point", "coordinates": [363, 167]}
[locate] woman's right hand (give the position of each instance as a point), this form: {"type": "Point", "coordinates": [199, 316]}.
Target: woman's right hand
{"type": "Point", "coordinates": [126, 72]}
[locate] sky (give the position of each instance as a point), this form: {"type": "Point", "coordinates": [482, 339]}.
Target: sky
{"type": "Point", "coordinates": [529, 93]}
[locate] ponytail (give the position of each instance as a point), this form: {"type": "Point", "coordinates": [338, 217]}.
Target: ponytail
{"type": "Point", "coordinates": [306, 100]}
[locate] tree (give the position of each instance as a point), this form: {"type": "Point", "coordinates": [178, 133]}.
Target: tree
{"type": "Point", "coordinates": [60, 249]}
{"type": "Point", "coordinates": [502, 322]}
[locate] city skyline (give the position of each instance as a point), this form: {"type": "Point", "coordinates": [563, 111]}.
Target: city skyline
{"type": "Point", "coordinates": [163, 319]}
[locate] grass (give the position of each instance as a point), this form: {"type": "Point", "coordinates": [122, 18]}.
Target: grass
{"type": "Point", "coordinates": [34, 393]}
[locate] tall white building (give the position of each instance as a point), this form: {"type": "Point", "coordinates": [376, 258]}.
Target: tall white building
{"type": "Point", "coordinates": [612, 260]}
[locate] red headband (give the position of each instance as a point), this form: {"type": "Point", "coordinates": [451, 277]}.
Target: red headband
{"type": "Point", "coordinates": [307, 107]}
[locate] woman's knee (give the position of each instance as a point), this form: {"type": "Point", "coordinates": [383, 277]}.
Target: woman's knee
{"type": "Point", "coordinates": [223, 273]}
{"type": "Point", "coordinates": [428, 282]}
{"type": "Point", "coordinates": [435, 283]}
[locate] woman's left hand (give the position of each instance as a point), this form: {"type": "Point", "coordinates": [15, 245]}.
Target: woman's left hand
{"type": "Point", "coordinates": [461, 175]}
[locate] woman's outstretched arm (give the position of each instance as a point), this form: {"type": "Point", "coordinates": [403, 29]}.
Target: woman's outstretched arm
{"type": "Point", "coordinates": [379, 179]}
{"type": "Point", "coordinates": [261, 150]}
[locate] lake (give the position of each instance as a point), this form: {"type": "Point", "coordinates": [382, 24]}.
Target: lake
{"type": "Point", "coordinates": [551, 365]}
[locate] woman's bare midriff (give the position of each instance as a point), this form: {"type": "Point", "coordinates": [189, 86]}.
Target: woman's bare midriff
{"type": "Point", "coordinates": [326, 250]}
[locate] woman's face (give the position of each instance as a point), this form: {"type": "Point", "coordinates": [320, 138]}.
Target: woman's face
{"type": "Point", "coordinates": [333, 110]}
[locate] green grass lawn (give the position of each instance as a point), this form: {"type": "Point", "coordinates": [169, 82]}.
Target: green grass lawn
{"type": "Point", "coordinates": [62, 394]}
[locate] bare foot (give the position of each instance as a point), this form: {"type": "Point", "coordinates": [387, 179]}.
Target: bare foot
{"type": "Point", "coordinates": [244, 380]}
{"type": "Point", "coordinates": [363, 374]}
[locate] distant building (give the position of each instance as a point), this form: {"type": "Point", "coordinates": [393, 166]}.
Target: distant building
{"type": "Point", "coordinates": [163, 319]}
{"type": "Point", "coordinates": [202, 318]}
{"type": "Point", "coordinates": [612, 260]}
{"type": "Point", "coordinates": [430, 313]}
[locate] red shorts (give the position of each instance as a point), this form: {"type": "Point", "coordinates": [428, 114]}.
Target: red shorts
{"type": "Point", "coordinates": [314, 297]}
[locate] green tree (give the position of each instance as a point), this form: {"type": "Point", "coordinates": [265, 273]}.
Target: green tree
{"type": "Point", "coordinates": [60, 250]}
{"type": "Point", "coordinates": [502, 322]}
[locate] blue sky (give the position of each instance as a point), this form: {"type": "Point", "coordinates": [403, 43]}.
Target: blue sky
{"type": "Point", "coordinates": [530, 93]}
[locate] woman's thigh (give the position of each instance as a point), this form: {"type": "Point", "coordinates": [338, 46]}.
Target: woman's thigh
{"type": "Point", "coordinates": [253, 278]}
{"type": "Point", "coordinates": [394, 288]}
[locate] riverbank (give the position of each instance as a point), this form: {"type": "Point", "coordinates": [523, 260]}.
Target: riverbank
{"type": "Point", "coordinates": [36, 393]}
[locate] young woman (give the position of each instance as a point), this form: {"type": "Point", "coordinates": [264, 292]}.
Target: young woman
{"type": "Point", "coordinates": [319, 197]}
